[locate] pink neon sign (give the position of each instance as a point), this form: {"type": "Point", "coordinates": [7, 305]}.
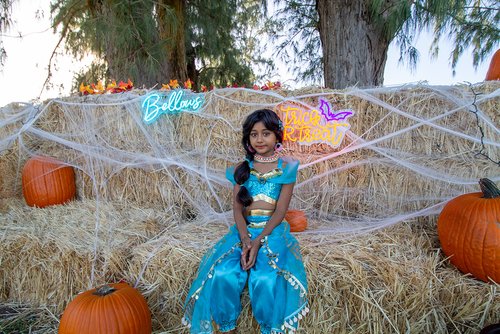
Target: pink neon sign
{"type": "Point", "coordinates": [306, 126]}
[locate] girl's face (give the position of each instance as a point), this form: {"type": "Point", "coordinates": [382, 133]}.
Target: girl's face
{"type": "Point", "coordinates": [262, 140]}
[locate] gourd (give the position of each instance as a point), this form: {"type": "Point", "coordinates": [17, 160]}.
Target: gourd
{"type": "Point", "coordinates": [297, 220]}
{"type": "Point", "coordinates": [494, 69]}
{"type": "Point", "coordinates": [47, 181]}
{"type": "Point", "coordinates": [469, 232]}
{"type": "Point", "coordinates": [116, 308]}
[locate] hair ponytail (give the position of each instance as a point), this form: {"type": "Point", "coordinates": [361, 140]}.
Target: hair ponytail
{"type": "Point", "coordinates": [241, 175]}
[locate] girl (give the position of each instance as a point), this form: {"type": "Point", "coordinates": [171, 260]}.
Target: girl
{"type": "Point", "coordinates": [259, 247]}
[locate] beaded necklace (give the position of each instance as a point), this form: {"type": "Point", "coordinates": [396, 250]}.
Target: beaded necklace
{"type": "Point", "coordinates": [272, 158]}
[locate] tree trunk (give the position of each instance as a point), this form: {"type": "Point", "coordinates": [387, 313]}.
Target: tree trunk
{"type": "Point", "coordinates": [127, 61]}
{"type": "Point", "coordinates": [354, 48]}
{"type": "Point", "coordinates": [192, 72]}
{"type": "Point", "coordinates": [172, 32]}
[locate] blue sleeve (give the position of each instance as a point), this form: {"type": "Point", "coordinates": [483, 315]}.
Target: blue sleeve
{"type": "Point", "coordinates": [230, 175]}
{"type": "Point", "coordinates": [289, 172]}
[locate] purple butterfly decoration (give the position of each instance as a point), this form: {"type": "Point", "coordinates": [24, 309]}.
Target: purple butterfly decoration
{"type": "Point", "coordinates": [330, 115]}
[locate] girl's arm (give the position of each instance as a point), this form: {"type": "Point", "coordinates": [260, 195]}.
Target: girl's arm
{"type": "Point", "coordinates": [241, 225]}
{"type": "Point", "coordinates": [276, 219]}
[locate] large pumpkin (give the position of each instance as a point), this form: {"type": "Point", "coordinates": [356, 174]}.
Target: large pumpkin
{"type": "Point", "coordinates": [469, 232]}
{"type": "Point", "coordinates": [494, 69]}
{"type": "Point", "coordinates": [297, 220]}
{"type": "Point", "coordinates": [112, 309]}
{"type": "Point", "coordinates": [47, 181]}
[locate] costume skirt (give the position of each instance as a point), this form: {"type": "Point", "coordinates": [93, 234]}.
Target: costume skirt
{"type": "Point", "coordinates": [277, 283]}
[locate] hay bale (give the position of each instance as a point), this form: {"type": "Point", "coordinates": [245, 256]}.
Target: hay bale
{"type": "Point", "coordinates": [153, 198]}
{"type": "Point", "coordinates": [395, 280]}
{"type": "Point", "coordinates": [51, 254]}
{"type": "Point", "coordinates": [119, 158]}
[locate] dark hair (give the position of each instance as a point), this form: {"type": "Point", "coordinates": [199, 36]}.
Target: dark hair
{"type": "Point", "coordinates": [242, 172]}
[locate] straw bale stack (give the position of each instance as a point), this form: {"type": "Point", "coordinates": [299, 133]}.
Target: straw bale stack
{"type": "Point", "coordinates": [152, 199]}
{"type": "Point", "coordinates": [391, 281]}
{"type": "Point", "coordinates": [118, 158]}
{"type": "Point", "coordinates": [10, 162]}
{"type": "Point", "coordinates": [48, 255]}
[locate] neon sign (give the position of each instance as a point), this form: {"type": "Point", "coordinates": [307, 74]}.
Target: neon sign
{"type": "Point", "coordinates": [173, 102]}
{"type": "Point", "coordinates": [308, 126]}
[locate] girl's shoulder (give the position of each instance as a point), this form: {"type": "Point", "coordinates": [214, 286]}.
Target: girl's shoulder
{"type": "Point", "coordinates": [237, 165]}
{"type": "Point", "coordinates": [289, 161]}
{"type": "Point", "coordinates": [289, 168]}
{"type": "Point", "coordinates": [230, 171]}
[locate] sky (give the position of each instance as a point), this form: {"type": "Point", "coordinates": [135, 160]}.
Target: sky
{"type": "Point", "coordinates": [25, 70]}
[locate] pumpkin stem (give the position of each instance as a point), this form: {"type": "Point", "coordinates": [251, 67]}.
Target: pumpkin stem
{"type": "Point", "coordinates": [104, 290]}
{"type": "Point", "coordinates": [489, 188]}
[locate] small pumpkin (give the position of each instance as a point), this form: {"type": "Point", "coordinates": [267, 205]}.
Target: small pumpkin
{"type": "Point", "coordinates": [47, 181]}
{"type": "Point", "coordinates": [297, 220]}
{"type": "Point", "coordinates": [469, 232]}
{"type": "Point", "coordinates": [116, 308]}
{"type": "Point", "coordinates": [494, 69]}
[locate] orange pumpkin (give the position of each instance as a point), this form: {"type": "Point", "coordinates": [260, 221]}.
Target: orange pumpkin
{"type": "Point", "coordinates": [297, 220]}
{"type": "Point", "coordinates": [494, 69]}
{"type": "Point", "coordinates": [47, 181]}
{"type": "Point", "coordinates": [469, 232]}
{"type": "Point", "coordinates": [112, 309]}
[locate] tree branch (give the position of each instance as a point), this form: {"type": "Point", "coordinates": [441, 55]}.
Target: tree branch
{"type": "Point", "coordinates": [63, 35]}
{"type": "Point", "coordinates": [49, 67]}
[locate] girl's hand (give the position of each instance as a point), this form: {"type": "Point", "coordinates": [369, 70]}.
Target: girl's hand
{"type": "Point", "coordinates": [246, 245]}
{"type": "Point", "coordinates": [252, 254]}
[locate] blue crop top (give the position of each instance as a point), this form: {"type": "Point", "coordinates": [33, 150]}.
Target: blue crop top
{"type": "Point", "coordinates": [267, 186]}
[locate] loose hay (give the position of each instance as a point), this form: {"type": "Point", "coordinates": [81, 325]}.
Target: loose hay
{"type": "Point", "coordinates": [19, 318]}
{"type": "Point", "coordinates": [392, 281]}
{"type": "Point", "coordinates": [404, 144]}
{"type": "Point", "coordinates": [152, 200]}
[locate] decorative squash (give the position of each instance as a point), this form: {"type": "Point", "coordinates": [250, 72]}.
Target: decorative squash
{"type": "Point", "coordinates": [491, 329]}
{"type": "Point", "coordinates": [47, 181]}
{"type": "Point", "coordinates": [112, 309]}
{"type": "Point", "coordinates": [297, 220]}
{"type": "Point", "coordinates": [494, 69]}
{"type": "Point", "coordinates": [469, 232]}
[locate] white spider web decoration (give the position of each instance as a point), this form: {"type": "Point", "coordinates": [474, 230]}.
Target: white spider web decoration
{"type": "Point", "coordinates": [409, 150]}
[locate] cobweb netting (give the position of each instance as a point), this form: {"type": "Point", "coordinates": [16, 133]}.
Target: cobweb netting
{"type": "Point", "coordinates": [408, 151]}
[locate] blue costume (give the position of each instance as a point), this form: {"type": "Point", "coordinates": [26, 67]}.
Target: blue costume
{"type": "Point", "coordinates": [277, 282]}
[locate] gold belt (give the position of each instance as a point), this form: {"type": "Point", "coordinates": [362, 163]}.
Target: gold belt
{"type": "Point", "coordinates": [259, 212]}
{"type": "Point", "coordinates": [265, 198]}
{"type": "Point", "coordinates": [258, 225]}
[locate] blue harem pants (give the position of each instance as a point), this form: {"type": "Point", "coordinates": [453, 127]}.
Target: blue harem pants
{"type": "Point", "coordinates": [277, 284]}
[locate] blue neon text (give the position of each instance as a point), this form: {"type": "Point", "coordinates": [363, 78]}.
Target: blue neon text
{"type": "Point", "coordinates": [154, 105]}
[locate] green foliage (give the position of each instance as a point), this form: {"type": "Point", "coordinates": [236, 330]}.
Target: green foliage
{"type": "Point", "coordinates": [467, 23]}
{"type": "Point", "coordinates": [5, 12]}
{"type": "Point", "coordinates": [294, 27]}
{"type": "Point", "coordinates": [121, 35]}
{"type": "Point", "coordinates": [92, 74]}
{"type": "Point", "coordinates": [125, 38]}
{"type": "Point", "coordinates": [476, 26]}
{"type": "Point", "coordinates": [394, 19]}
{"type": "Point", "coordinates": [222, 40]}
